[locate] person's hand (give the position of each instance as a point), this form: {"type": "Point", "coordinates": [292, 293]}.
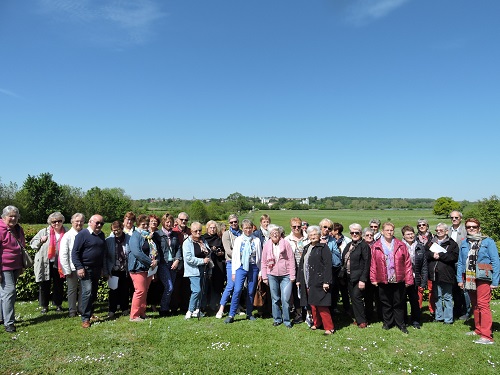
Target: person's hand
{"type": "Point", "coordinates": [461, 285]}
{"type": "Point", "coordinates": [43, 239]}
{"type": "Point", "coordinates": [298, 284]}
{"type": "Point", "coordinates": [326, 287]}
{"type": "Point", "coordinates": [233, 277]}
{"type": "Point", "coordinates": [154, 263]}
{"type": "Point", "coordinates": [175, 264]}
{"type": "Point", "coordinates": [206, 260]}
{"type": "Point", "coordinates": [436, 255]}
{"type": "Point", "coordinates": [421, 289]}
{"type": "Point", "coordinates": [259, 278]}
{"type": "Point", "coordinates": [375, 284]}
{"type": "Point", "coordinates": [361, 285]}
{"type": "Point", "coordinates": [266, 281]}
{"type": "Point", "coordinates": [81, 273]}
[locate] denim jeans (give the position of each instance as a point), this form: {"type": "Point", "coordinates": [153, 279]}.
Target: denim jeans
{"type": "Point", "coordinates": [229, 285]}
{"type": "Point", "coordinates": [8, 296]}
{"type": "Point", "coordinates": [444, 301]}
{"type": "Point", "coordinates": [89, 284]}
{"type": "Point", "coordinates": [239, 281]}
{"type": "Point", "coordinates": [167, 277]}
{"type": "Point", "coordinates": [281, 289]}
{"type": "Point", "coordinates": [197, 300]}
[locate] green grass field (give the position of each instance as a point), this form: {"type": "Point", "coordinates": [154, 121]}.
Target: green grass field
{"type": "Point", "coordinates": [346, 217]}
{"type": "Point", "coordinates": [55, 344]}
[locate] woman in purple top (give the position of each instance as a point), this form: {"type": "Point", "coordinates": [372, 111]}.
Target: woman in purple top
{"type": "Point", "coordinates": [11, 241]}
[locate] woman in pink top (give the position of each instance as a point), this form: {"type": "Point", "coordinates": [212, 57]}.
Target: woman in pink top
{"type": "Point", "coordinates": [278, 271]}
{"type": "Point", "coordinates": [11, 263]}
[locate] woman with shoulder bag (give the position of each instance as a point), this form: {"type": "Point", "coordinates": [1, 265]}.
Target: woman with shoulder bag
{"type": "Point", "coordinates": [478, 254]}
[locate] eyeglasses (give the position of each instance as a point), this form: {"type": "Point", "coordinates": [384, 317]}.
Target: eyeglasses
{"type": "Point", "coordinates": [373, 226]}
{"type": "Point", "coordinates": [368, 235]}
{"type": "Point", "coordinates": [325, 227]}
{"type": "Point", "coordinates": [56, 221]}
{"type": "Point", "coordinates": [183, 219]}
{"type": "Point", "coordinates": [296, 226]}
{"type": "Point", "coordinates": [454, 217]}
{"type": "Point", "coordinates": [197, 231]}
{"type": "Point", "coordinates": [421, 225]}
{"type": "Point", "coordinates": [355, 233]}
{"type": "Point", "coordinates": [275, 234]}
{"type": "Point", "coordinates": [233, 222]}
{"type": "Point", "coordinates": [471, 227]}
{"type": "Point", "coordinates": [440, 230]}
{"type": "Point", "coordinates": [99, 222]}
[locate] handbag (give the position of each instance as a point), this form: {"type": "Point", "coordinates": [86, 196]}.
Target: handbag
{"type": "Point", "coordinates": [484, 271]}
{"type": "Point", "coordinates": [260, 295]}
{"type": "Point", "coordinates": [27, 260]}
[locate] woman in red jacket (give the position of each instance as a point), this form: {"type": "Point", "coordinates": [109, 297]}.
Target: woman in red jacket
{"type": "Point", "coordinates": [391, 271]}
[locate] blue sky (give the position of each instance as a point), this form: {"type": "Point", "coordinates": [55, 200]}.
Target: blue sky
{"type": "Point", "coordinates": [388, 98]}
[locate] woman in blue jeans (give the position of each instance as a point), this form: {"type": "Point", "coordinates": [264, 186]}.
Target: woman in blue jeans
{"type": "Point", "coordinates": [247, 253]}
{"type": "Point", "coordinates": [278, 270]}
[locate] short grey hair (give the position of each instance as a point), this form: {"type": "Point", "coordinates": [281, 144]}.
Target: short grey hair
{"type": "Point", "coordinates": [10, 209]}
{"type": "Point", "coordinates": [354, 226]}
{"type": "Point", "coordinates": [458, 212]}
{"type": "Point", "coordinates": [246, 222]}
{"type": "Point", "coordinates": [313, 228]}
{"type": "Point", "coordinates": [368, 230]}
{"type": "Point", "coordinates": [274, 227]}
{"type": "Point", "coordinates": [233, 216]}
{"type": "Point", "coordinates": [78, 214]}
{"type": "Point", "coordinates": [442, 226]}
{"type": "Point", "coordinates": [55, 216]}
{"type": "Point", "coordinates": [375, 221]}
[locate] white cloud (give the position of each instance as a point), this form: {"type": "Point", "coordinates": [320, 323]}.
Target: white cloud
{"type": "Point", "coordinates": [10, 93]}
{"type": "Point", "coordinates": [124, 21]}
{"type": "Point", "coordinates": [364, 11]}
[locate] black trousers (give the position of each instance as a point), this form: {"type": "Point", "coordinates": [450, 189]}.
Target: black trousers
{"type": "Point", "coordinates": [57, 288]}
{"type": "Point", "coordinates": [119, 296]}
{"type": "Point", "coordinates": [393, 298]}
{"type": "Point", "coordinates": [357, 301]}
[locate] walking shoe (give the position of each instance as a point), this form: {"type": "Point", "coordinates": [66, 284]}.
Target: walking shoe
{"type": "Point", "coordinates": [416, 325]}
{"type": "Point", "coordinates": [362, 325]}
{"type": "Point", "coordinates": [251, 317]}
{"type": "Point", "coordinates": [59, 309]}
{"type": "Point", "coordinates": [138, 319]}
{"type": "Point", "coordinates": [219, 315]}
{"type": "Point", "coordinates": [126, 312]}
{"type": "Point", "coordinates": [197, 314]}
{"type": "Point", "coordinates": [45, 310]}
{"type": "Point", "coordinates": [328, 332]}
{"type": "Point", "coordinates": [86, 324]}
{"type": "Point", "coordinates": [229, 319]}
{"type": "Point", "coordinates": [484, 341]}
{"type": "Point", "coordinates": [94, 318]}
{"type": "Point", "coordinates": [72, 314]}
{"type": "Point", "coordinates": [471, 333]}
{"type": "Point", "coordinates": [404, 330]}
{"type": "Point", "coordinates": [464, 317]}
{"type": "Point", "coordinates": [309, 321]}
{"type": "Point", "coordinates": [10, 329]}
{"type": "Point", "coordinates": [188, 315]}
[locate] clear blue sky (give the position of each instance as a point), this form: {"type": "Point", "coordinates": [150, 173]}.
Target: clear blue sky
{"type": "Point", "coordinates": [388, 98]}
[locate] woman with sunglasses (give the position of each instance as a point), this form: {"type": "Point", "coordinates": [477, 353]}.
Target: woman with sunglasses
{"type": "Point", "coordinates": [356, 259]}
{"type": "Point", "coordinates": [479, 252]}
{"type": "Point", "coordinates": [48, 270]}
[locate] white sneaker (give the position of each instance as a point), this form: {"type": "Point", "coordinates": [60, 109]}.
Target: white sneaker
{"type": "Point", "coordinates": [189, 314]}
{"type": "Point", "coordinates": [138, 319]}
{"type": "Point", "coordinates": [219, 315]}
{"type": "Point", "coordinates": [309, 320]}
{"type": "Point", "coordinates": [197, 314]}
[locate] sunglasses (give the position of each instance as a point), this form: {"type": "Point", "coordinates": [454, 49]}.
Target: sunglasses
{"type": "Point", "coordinates": [197, 231]}
{"type": "Point", "coordinates": [368, 235]}
{"type": "Point", "coordinates": [373, 226]}
{"type": "Point", "coordinates": [233, 222]}
{"type": "Point", "coordinates": [296, 226]}
{"type": "Point", "coordinates": [99, 222]}
{"type": "Point", "coordinates": [422, 225]}
{"type": "Point", "coordinates": [325, 227]}
{"type": "Point", "coordinates": [57, 221]}
{"type": "Point", "coordinates": [454, 217]}
{"type": "Point", "coordinates": [355, 233]}
{"type": "Point", "coordinates": [471, 227]}
{"type": "Point", "coordinates": [183, 219]}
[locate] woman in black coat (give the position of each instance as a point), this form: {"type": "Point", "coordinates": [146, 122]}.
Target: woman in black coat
{"type": "Point", "coordinates": [415, 292]}
{"type": "Point", "coordinates": [356, 262]}
{"type": "Point", "coordinates": [314, 280]}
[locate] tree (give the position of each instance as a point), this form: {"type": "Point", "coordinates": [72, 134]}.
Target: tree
{"type": "Point", "coordinates": [111, 204]}
{"type": "Point", "coordinates": [39, 197]}
{"type": "Point", "coordinates": [198, 212]}
{"type": "Point", "coordinates": [444, 206]}
{"type": "Point", "coordinates": [8, 194]}
{"type": "Point", "coordinates": [487, 212]}
{"type": "Point", "coordinates": [72, 199]}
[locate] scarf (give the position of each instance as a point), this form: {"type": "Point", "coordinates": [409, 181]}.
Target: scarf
{"type": "Point", "coordinates": [423, 237]}
{"type": "Point", "coordinates": [153, 251]}
{"type": "Point", "coordinates": [53, 251]}
{"type": "Point", "coordinates": [411, 249]}
{"type": "Point", "coordinates": [265, 233]}
{"type": "Point", "coordinates": [246, 252]}
{"type": "Point", "coordinates": [389, 260]}
{"type": "Point", "coordinates": [474, 242]}
{"type": "Point", "coordinates": [119, 253]}
{"type": "Point", "coordinates": [235, 232]}
{"type": "Point", "coordinates": [348, 256]}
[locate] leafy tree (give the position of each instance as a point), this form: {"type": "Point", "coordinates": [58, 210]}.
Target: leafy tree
{"type": "Point", "coordinates": [39, 197]}
{"type": "Point", "coordinates": [444, 206]}
{"type": "Point", "coordinates": [198, 212]}
{"type": "Point", "coordinates": [72, 199]}
{"type": "Point", "coordinates": [487, 212]}
{"type": "Point", "coordinates": [216, 211]}
{"type": "Point", "coordinates": [8, 194]}
{"type": "Point", "coordinates": [111, 204]}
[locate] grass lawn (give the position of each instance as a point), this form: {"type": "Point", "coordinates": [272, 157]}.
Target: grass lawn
{"type": "Point", "coordinates": [346, 217]}
{"type": "Point", "coordinates": [56, 344]}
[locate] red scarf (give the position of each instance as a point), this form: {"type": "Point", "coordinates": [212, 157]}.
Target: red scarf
{"type": "Point", "coordinates": [54, 248]}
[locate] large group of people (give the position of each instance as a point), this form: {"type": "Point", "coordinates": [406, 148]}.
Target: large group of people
{"type": "Point", "coordinates": [153, 261]}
